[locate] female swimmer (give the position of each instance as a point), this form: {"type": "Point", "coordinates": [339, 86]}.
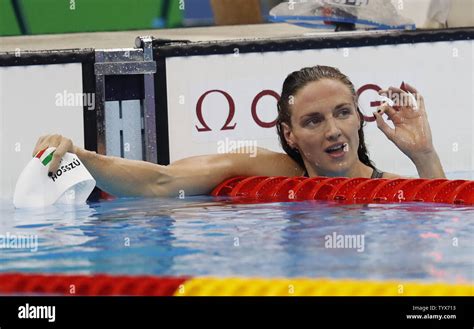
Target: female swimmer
{"type": "Point", "coordinates": [320, 128]}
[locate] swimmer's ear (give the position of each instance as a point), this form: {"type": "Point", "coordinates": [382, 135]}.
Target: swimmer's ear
{"type": "Point", "coordinates": [288, 134]}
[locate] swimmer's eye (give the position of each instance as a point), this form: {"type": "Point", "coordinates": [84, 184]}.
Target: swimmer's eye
{"type": "Point", "coordinates": [344, 112]}
{"type": "Point", "coordinates": [312, 122]}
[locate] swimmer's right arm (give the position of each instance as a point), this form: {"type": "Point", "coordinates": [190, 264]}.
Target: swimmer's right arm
{"type": "Point", "coordinates": [200, 174]}
{"type": "Point", "coordinates": [191, 176]}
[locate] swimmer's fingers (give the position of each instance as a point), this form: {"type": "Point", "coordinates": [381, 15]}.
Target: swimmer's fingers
{"type": "Point", "coordinates": [390, 111]}
{"type": "Point", "coordinates": [382, 125]}
{"type": "Point", "coordinates": [64, 146]}
{"type": "Point", "coordinates": [47, 141]}
{"type": "Point", "coordinates": [418, 97]}
{"type": "Point", "coordinates": [409, 88]}
{"type": "Point", "coordinates": [393, 95]}
{"type": "Point", "coordinates": [403, 98]}
{"type": "Point", "coordinates": [39, 145]}
{"type": "Point", "coordinates": [406, 98]}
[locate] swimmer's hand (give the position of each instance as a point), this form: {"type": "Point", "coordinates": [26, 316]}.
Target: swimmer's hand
{"type": "Point", "coordinates": [411, 132]}
{"type": "Point", "coordinates": [62, 145]}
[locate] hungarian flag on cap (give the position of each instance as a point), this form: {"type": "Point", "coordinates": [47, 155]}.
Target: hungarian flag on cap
{"type": "Point", "coordinates": [45, 157]}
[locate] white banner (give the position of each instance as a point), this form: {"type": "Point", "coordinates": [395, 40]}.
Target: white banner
{"type": "Point", "coordinates": [210, 98]}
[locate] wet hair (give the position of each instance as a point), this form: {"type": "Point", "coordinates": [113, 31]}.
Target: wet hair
{"type": "Point", "coordinates": [295, 82]}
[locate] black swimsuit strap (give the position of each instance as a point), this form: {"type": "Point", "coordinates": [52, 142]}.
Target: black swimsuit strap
{"type": "Point", "coordinates": [375, 173]}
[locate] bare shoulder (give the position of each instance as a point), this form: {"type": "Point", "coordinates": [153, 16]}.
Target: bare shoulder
{"type": "Point", "coordinates": [269, 163]}
{"type": "Point", "coordinates": [390, 175]}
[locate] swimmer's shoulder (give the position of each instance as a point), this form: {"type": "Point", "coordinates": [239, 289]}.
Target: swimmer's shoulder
{"type": "Point", "coordinates": [268, 163]}
{"type": "Point", "coordinates": [390, 175]}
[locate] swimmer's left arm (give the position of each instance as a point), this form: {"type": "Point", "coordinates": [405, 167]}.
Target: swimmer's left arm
{"type": "Point", "coordinates": [429, 166]}
{"type": "Point", "coordinates": [411, 132]}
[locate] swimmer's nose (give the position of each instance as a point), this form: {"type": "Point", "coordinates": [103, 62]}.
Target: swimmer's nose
{"type": "Point", "coordinates": [332, 130]}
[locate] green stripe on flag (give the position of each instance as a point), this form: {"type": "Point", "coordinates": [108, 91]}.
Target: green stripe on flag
{"type": "Point", "coordinates": [48, 158]}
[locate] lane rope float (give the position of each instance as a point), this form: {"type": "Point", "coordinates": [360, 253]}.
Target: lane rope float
{"type": "Point", "coordinates": [120, 285]}
{"type": "Point", "coordinates": [347, 190]}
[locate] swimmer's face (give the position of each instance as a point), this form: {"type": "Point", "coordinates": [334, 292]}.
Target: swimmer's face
{"type": "Point", "coordinates": [323, 115]}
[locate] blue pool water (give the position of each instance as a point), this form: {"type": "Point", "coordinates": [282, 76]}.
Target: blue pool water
{"type": "Point", "coordinates": [202, 236]}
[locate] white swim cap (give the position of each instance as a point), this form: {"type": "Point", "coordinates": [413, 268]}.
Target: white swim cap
{"type": "Point", "coordinates": [70, 184]}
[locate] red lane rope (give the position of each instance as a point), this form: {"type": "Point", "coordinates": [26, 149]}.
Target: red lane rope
{"type": "Point", "coordinates": [349, 190]}
{"type": "Point", "coordinates": [88, 285]}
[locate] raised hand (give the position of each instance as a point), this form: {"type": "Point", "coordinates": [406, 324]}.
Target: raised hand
{"type": "Point", "coordinates": [411, 132]}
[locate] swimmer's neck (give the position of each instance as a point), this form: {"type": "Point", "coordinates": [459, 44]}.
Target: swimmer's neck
{"type": "Point", "coordinates": [358, 170]}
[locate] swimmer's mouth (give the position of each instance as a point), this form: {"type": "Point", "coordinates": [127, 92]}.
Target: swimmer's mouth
{"type": "Point", "coordinates": [335, 147]}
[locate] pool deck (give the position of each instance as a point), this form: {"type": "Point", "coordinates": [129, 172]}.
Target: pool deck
{"type": "Point", "coordinates": [126, 39]}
